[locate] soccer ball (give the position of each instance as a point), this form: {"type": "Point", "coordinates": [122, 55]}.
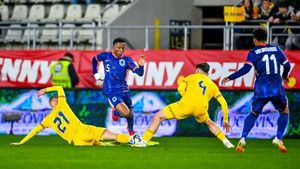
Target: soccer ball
{"type": "Point", "coordinates": [135, 139]}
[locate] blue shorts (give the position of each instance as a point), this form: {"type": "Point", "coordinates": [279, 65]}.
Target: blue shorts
{"type": "Point", "coordinates": [279, 102]}
{"type": "Point", "coordinates": [114, 100]}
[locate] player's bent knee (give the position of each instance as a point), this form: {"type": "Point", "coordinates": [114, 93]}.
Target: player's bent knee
{"type": "Point", "coordinates": [127, 114]}
{"type": "Point", "coordinates": [108, 135]}
{"type": "Point", "coordinates": [123, 110]}
{"type": "Point", "coordinates": [210, 123]}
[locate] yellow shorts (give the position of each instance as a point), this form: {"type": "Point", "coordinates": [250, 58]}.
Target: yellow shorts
{"type": "Point", "coordinates": [179, 111]}
{"type": "Point", "coordinates": [87, 135]}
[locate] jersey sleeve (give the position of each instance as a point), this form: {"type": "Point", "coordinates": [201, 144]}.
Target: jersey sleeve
{"type": "Point", "coordinates": [32, 133]}
{"type": "Point", "coordinates": [58, 89]}
{"type": "Point", "coordinates": [100, 57]}
{"type": "Point", "coordinates": [219, 97]}
{"type": "Point", "coordinates": [224, 107]}
{"type": "Point", "coordinates": [139, 70]}
{"type": "Point", "coordinates": [282, 57]}
{"type": "Point", "coordinates": [60, 93]}
{"type": "Point", "coordinates": [46, 121]}
{"type": "Point", "coordinates": [182, 86]}
{"type": "Point", "coordinates": [250, 58]}
{"type": "Point", "coordinates": [215, 90]}
{"type": "Point", "coordinates": [130, 64]}
{"type": "Point", "coordinates": [245, 69]}
{"type": "Point", "coordinates": [96, 59]}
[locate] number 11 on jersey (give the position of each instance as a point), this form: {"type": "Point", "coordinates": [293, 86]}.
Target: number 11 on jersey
{"type": "Point", "coordinates": [267, 60]}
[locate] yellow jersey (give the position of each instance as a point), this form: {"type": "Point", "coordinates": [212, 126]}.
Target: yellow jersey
{"type": "Point", "coordinates": [197, 90]}
{"type": "Point", "coordinates": [61, 118]}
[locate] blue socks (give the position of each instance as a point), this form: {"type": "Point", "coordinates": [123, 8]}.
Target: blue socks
{"type": "Point", "coordinates": [282, 123]}
{"type": "Point", "coordinates": [251, 118]}
{"type": "Point", "coordinates": [130, 125]}
{"type": "Point", "coordinates": [249, 123]}
{"type": "Point", "coordinates": [129, 122]}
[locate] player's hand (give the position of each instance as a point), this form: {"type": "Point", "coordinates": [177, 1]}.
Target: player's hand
{"type": "Point", "coordinates": [226, 126]}
{"type": "Point", "coordinates": [41, 92]}
{"type": "Point", "coordinates": [141, 60]}
{"type": "Point", "coordinates": [225, 80]}
{"type": "Point", "coordinates": [99, 83]}
{"type": "Point", "coordinates": [99, 76]}
{"type": "Point", "coordinates": [285, 80]}
{"type": "Point", "coordinates": [15, 144]}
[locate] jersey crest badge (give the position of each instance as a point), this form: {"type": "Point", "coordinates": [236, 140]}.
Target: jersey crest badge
{"type": "Point", "coordinates": [114, 99]}
{"type": "Point", "coordinates": [122, 62]}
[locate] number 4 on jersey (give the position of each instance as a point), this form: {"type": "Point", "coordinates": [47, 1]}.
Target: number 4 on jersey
{"type": "Point", "coordinates": [203, 87]}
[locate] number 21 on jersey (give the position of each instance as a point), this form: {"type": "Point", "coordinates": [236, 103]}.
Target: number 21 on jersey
{"type": "Point", "coordinates": [61, 121]}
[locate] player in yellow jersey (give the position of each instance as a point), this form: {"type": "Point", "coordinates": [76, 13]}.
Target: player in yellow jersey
{"type": "Point", "coordinates": [68, 126]}
{"type": "Point", "coordinates": [196, 91]}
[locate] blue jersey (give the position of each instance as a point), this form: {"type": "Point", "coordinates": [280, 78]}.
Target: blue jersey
{"type": "Point", "coordinates": [266, 61]}
{"type": "Point", "coordinates": [115, 72]}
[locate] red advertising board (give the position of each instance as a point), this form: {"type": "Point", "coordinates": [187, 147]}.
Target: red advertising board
{"type": "Point", "coordinates": [31, 68]}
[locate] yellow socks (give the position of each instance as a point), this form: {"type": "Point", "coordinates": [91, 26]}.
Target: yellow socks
{"type": "Point", "coordinates": [221, 136]}
{"type": "Point", "coordinates": [123, 138]}
{"type": "Point", "coordinates": [148, 135]}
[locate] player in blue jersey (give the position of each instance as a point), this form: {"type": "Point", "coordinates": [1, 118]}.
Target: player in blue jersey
{"type": "Point", "coordinates": [266, 60]}
{"type": "Point", "coordinates": [115, 87]}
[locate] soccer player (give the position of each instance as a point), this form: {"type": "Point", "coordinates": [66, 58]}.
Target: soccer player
{"type": "Point", "coordinates": [196, 91]}
{"type": "Point", "coordinates": [266, 60]}
{"type": "Point", "coordinates": [115, 87]}
{"type": "Point", "coordinates": [68, 126]}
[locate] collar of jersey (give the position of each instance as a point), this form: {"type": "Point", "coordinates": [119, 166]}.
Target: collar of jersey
{"type": "Point", "coordinates": [116, 56]}
{"type": "Point", "coordinates": [264, 45]}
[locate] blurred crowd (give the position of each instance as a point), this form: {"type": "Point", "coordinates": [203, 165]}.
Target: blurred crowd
{"type": "Point", "coordinates": [272, 11]}
{"type": "Point", "coordinates": [275, 12]}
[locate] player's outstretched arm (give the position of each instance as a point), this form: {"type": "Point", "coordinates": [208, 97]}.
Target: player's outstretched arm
{"type": "Point", "coordinates": [59, 89]}
{"type": "Point", "coordinates": [224, 108]}
{"type": "Point", "coordinates": [98, 73]}
{"type": "Point", "coordinates": [139, 70]}
{"type": "Point", "coordinates": [225, 80]}
{"type": "Point", "coordinates": [141, 60]}
{"type": "Point", "coordinates": [41, 92]}
{"type": "Point", "coordinates": [244, 70]}
{"type": "Point", "coordinates": [95, 64]}
{"type": "Point", "coordinates": [286, 70]}
{"type": "Point", "coordinates": [32, 133]}
{"type": "Point", "coordinates": [182, 87]}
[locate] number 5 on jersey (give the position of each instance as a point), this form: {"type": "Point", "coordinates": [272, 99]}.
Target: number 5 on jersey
{"type": "Point", "coordinates": [107, 68]}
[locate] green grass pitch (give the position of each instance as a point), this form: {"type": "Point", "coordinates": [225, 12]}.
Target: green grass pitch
{"type": "Point", "coordinates": [51, 152]}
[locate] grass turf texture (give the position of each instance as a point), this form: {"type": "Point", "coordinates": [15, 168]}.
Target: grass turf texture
{"type": "Point", "coordinates": [173, 152]}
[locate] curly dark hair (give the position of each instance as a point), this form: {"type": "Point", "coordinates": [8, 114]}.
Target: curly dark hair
{"type": "Point", "coordinates": [203, 66]}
